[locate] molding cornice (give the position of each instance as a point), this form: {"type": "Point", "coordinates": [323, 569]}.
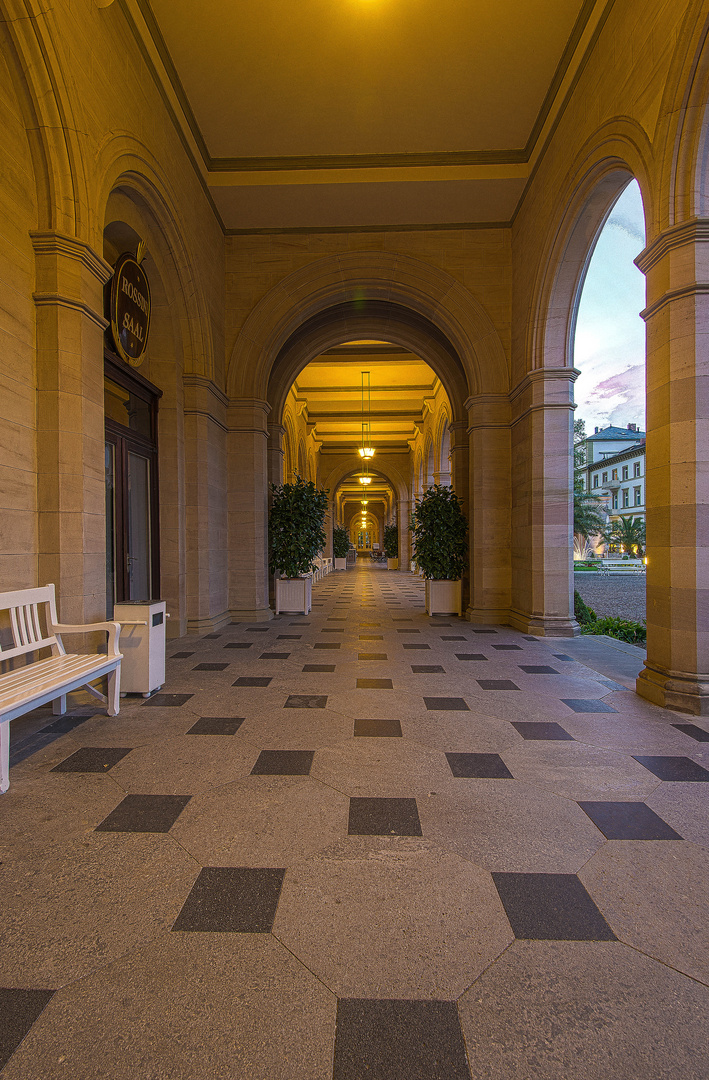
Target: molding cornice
{"type": "Point", "coordinates": [695, 288]}
{"type": "Point", "coordinates": [693, 231]}
{"type": "Point", "coordinates": [545, 374]}
{"type": "Point", "coordinates": [201, 382]}
{"type": "Point", "coordinates": [69, 247]}
{"type": "Point", "coordinates": [57, 300]}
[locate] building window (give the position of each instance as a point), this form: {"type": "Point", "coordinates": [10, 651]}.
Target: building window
{"type": "Point", "coordinates": [626, 497]}
{"type": "Point", "coordinates": [638, 496]}
{"type": "Point", "coordinates": [625, 472]}
{"type": "Point", "coordinates": [614, 474]}
{"type": "Point", "coordinates": [636, 468]}
{"type": "Point", "coordinates": [605, 477]}
{"type": "Point", "coordinates": [595, 480]}
{"type": "Point", "coordinates": [615, 501]}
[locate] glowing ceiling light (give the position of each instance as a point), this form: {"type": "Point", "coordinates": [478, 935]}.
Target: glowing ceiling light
{"type": "Point", "coordinates": [366, 450]}
{"type": "Point", "coordinates": [365, 480]}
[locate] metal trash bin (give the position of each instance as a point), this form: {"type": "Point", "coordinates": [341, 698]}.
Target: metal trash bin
{"type": "Point", "coordinates": [142, 643]}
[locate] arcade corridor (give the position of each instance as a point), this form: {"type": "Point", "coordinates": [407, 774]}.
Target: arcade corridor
{"type": "Point", "coordinates": [364, 843]}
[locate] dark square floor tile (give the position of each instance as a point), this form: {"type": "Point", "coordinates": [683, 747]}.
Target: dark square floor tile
{"type": "Point", "coordinates": [372, 656]}
{"type": "Point", "coordinates": [93, 759]}
{"type": "Point", "coordinates": [533, 639]}
{"type": "Point", "coordinates": [541, 730]}
{"type": "Point", "coordinates": [384, 817]}
{"type": "Point", "coordinates": [508, 648]}
{"type": "Point", "coordinates": [428, 669]}
{"type": "Point", "coordinates": [496, 684]}
{"type": "Point", "coordinates": [446, 704]}
{"type": "Point", "coordinates": [377, 729]}
{"type": "Point", "coordinates": [375, 684]}
{"type": "Point", "coordinates": [306, 701]}
{"type": "Point", "coordinates": [274, 656]}
{"type": "Point", "coordinates": [399, 1040]}
{"type": "Point", "coordinates": [299, 624]}
{"type": "Point", "coordinates": [479, 631]}
{"type": "Point", "coordinates": [415, 645]}
{"type": "Point", "coordinates": [551, 907]}
{"type": "Point", "coordinates": [64, 724]}
{"type": "Point", "coordinates": [283, 763]}
{"type": "Point", "coordinates": [208, 636]}
{"type": "Point", "coordinates": [538, 669]}
{"type": "Point", "coordinates": [210, 667]}
{"type": "Point", "coordinates": [232, 900]}
{"type": "Point", "coordinates": [257, 629]}
{"type": "Point", "coordinates": [563, 656]}
{"type": "Point", "coordinates": [252, 680]}
{"type": "Point", "coordinates": [681, 769]}
{"type": "Point", "coordinates": [216, 725]}
{"type": "Point", "coordinates": [333, 630]}
{"type": "Point", "coordinates": [19, 1009]}
{"type": "Point", "coordinates": [453, 637]}
{"type": "Point", "coordinates": [289, 637]}
{"type": "Point", "coordinates": [628, 821]}
{"type": "Point", "coordinates": [169, 700]}
{"type": "Point", "coordinates": [239, 645]}
{"type": "Point", "coordinates": [180, 655]}
{"type": "Point", "coordinates": [145, 813]}
{"type": "Point", "coordinates": [470, 656]}
{"type": "Point", "coordinates": [371, 637]}
{"type": "Point", "coordinates": [693, 731]}
{"type": "Point", "coordinates": [399, 631]}
{"type": "Point", "coordinates": [588, 705]}
{"type": "Point", "coordinates": [327, 645]}
{"type": "Point", "coordinates": [319, 667]}
{"type": "Point", "coordinates": [479, 766]}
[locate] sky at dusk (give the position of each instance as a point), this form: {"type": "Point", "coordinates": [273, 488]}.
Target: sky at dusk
{"type": "Point", "coordinates": [609, 347]}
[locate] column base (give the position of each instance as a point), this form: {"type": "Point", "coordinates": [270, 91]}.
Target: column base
{"type": "Point", "coordinates": [544, 626]}
{"type": "Point", "coordinates": [491, 616]}
{"type": "Point", "coordinates": [207, 625]}
{"type": "Point", "coordinates": [681, 691]}
{"type": "Point", "coordinates": [239, 615]}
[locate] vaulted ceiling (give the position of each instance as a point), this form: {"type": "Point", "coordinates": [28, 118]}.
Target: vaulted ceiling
{"type": "Point", "coordinates": [365, 113]}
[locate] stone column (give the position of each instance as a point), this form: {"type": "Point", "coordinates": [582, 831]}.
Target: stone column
{"type": "Point", "coordinates": [676, 265]}
{"type": "Point", "coordinates": [542, 505]}
{"type": "Point", "coordinates": [247, 500]}
{"type": "Point", "coordinates": [276, 455]}
{"type": "Point", "coordinates": [404, 516]}
{"type": "Point", "coordinates": [69, 278]}
{"type": "Point", "coordinates": [489, 503]}
{"type": "Point", "coordinates": [442, 478]}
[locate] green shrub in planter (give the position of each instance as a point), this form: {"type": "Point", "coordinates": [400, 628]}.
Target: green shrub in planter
{"type": "Point", "coordinates": [340, 542]}
{"type": "Point", "coordinates": [295, 527]}
{"type": "Point", "coordinates": [634, 633]}
{"type": "Point", "coordinates": [439, 530]}
{"type": "Point", "coordinates": [584, 614]}
{"type": "Point", "coordinates": [391, 541]}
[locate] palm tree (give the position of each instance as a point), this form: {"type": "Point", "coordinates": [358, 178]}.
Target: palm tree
{"type": "Point", "coordinates": [589, 520]}
{"type": "Point", "coordinates": [628, 533]}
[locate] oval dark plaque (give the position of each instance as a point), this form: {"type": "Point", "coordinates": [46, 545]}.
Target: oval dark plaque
{"type": "Point", "coordinates": [130, 309]}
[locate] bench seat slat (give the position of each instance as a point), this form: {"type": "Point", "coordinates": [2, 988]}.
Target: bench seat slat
{"type": "Point", "coordinates": [40, 680]}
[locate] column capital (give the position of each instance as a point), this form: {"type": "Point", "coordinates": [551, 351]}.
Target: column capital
{"type": "Point", "coordinates": [693, 231]}
{"type": "Point", "coordinates": [248, 414]}
{"type": "Point", "coordinates": [69, 274]}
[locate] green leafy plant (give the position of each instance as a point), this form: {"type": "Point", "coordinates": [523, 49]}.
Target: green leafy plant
{"type": "Point", "coordinates": [627, 533]}
{"type": "Point", "coordinates": [439, 530]}
{"type": "Point", "coordinates": [634, 633]}
{"type": "Point", "coordinates": [589, 519]}
{"type": "Point", "coordinates": [391, 541]}
{"type": "Point", "coordinates": [584, 614]}
{"type": "Point", "coordinates": [340, 542]}
{"type": "Point", "coordinates": [295, 527]}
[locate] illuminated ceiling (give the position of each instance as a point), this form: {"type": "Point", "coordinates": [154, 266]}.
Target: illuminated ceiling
{"type": "Point", "coordinates": [365, 113]}
{"type": "Point", "coordinates": [328, 394]}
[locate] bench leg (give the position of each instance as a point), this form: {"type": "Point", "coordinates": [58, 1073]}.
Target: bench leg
{"type": "Point", "coordinates": [113, 691]}
{"type": "Point", "coordinates": [4, 756]}
{"type": "Point", "coordinates": [59, 705]}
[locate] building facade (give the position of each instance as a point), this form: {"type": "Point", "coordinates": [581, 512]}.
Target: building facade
{"type": "Point", "coordinates": [470, 259]}
{"type": "Point", "coordinates": [611, 466]}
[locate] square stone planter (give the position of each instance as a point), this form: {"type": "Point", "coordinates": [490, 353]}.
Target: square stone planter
{"type": "Point", "coordinates": [340, 564]}
{"type": "Point", "coordinates": [294, 594]}
{"type": "Point", "coordinates": [392, 564]}
{"type": "Point", "coordinates": [444, 597]}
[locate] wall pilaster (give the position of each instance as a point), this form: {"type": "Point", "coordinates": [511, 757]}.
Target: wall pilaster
{"type": "Point", "coordinates": [247, 501]}
{"type": "Point", "coordinates": [489, 501]}
{"type": "Point", "coordinates": [676, 265]}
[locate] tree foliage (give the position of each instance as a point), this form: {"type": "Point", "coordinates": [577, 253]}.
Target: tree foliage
{"type": "Point", "coordinates": [627, 533]}
{"type": "Point", "coordinates": [340, 542]}
{"type": "Point", "coordinates": [391, 541]}
{"type": "Point", "coordinates": [589, 518]}
{"type": "Point", "coordinates": [439, 531]}
{"type": "Point", "coordinates": [295, 527]}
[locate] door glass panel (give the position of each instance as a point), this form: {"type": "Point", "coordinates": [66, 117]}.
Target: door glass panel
{"type": "Point", "coordinates": [139, 570]}
{"type": "Point", "coordinates": [110, 529]}
{"type": "Point", "coordinates": [126, 408]}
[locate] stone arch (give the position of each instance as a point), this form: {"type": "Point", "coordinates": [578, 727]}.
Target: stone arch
{"type": "Point", "coordinates": [301, 460]}
{"type": "Point", "coordinates": [392, 296]}
{"type": "Point", "coordinates": [443, 441]}
{"type": "Point", "coordinates": [429, 463]}
{"type": "Point", "coordinates": [617, 154]}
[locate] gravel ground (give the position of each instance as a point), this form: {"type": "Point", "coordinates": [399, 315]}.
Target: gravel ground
{"type": "Point", "coordinates": [623, 595]}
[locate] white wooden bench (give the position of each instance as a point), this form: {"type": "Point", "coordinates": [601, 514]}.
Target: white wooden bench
{"type": "Point", "coordinates": [28, 623]}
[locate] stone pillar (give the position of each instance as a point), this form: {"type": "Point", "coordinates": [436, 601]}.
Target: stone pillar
{"type": "Point", "coordinates": [247, 500]}
{"type": "Point", "coordinates": [404, 516]}
{"type": "Point", "coordinates": [542, 506]}
{"type": "Point", "coordinates": [69, 278]}
{"type": "Point", "coordinates": [276, 455]}
{"type": "Point", "coordinates": [676, 265]}
{"type": "Point", "coordinates": [489, 502]}
{"type": "Point", "coordinates": [442, 478]}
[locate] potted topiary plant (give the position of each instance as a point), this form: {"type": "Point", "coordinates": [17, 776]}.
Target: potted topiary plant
{"type": "Point", "coordinates": [391, 546]}
{"type": "Point", "coordinates": [439, 530]}
{"type": "Point", "coordinates": [340, 546]}
{"type": "Point", "coordinates": [295, 536]}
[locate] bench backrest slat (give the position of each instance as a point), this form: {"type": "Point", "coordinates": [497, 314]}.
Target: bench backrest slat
{"type": "Point", "coordinates": [25, 622]}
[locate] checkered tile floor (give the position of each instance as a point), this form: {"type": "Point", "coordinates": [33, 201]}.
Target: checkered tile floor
{"type": "Point", "coordinates": [489, 864]}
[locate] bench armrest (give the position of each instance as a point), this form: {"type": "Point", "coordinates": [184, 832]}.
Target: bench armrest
{"type": "Point", "coordinates": [113, 629]}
